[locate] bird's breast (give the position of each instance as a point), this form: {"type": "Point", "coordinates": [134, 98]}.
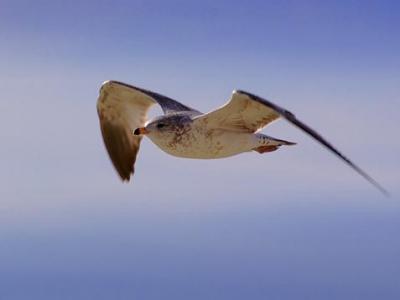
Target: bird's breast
{"type": "Point", "coordinates": [200, 142]}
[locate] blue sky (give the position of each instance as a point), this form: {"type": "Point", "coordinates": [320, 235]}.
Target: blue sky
{"type": "Point", "coordinates": [293, 224]}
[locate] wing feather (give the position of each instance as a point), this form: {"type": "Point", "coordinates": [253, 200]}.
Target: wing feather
{"type": "Point", "coordinates": [121, 110]}
{"type": "Point", "coordinates": [167, 104]}
{"type": "Point", "coordinates": [248, 113]}
{"type": "Point", "coordinates": [240, 114]}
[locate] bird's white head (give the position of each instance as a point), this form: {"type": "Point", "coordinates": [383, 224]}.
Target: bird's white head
{"type": "Point", "coordinates": [163, 128]}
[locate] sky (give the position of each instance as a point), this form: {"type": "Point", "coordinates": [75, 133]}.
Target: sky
{"type": "Point", "coordinates": [293, 224]}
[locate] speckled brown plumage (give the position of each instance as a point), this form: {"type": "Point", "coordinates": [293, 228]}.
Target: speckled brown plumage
{"type": "Point", "coordinates": [185, 132]}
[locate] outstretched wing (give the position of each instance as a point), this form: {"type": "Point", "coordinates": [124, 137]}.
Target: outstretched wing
{"type": "Point", "coordinates": [122, 108]}
{"type": "Point", "coordinates": [167, 104]}
{"type": "Point", "coordinates": [241, 114]}
{"type": "Point", "coordinates": [248, 113]}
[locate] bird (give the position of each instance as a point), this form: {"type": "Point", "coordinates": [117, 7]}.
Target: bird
{"type": "Point", "coordinates": [185, 132]}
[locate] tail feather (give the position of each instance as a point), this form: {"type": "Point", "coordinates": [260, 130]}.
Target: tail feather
{"type": "Point", "coordinates": [280, 142]}
{"type": "Point", "coordinates": [272, 145]}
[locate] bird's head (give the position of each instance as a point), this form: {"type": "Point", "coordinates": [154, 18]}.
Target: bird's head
{"type": "Point", "coordinates": [162, 127]}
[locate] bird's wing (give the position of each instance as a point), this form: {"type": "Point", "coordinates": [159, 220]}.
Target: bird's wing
{"type": "Point", "coordinates": [122, 108]}
{"type": "Point", "coordinates": [167, 104]}
{"type": "Point", "coordinates": [241, 113]}
{"type": "Point", "coordinates": [248, 113]}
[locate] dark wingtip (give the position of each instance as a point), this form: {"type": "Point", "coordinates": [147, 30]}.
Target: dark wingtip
{"type": "Point", "coordinates": [383, 190]}
{"type": "Point", "coordinates": [123, 175]}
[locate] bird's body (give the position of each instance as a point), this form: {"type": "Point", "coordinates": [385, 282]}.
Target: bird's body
{"type": "Point", "coordinates": [195, 141]}
{"type": "Point", "coordinates": [192, 139]}
{"type": "Point", "coordinates": [185, 132]}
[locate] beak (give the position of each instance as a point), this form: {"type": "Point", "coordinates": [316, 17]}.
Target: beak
{"type": "Point", "coordinates": [141, 130]}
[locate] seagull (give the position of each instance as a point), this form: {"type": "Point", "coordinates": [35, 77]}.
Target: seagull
{"type": "Point", "coordinates": [185, 132]}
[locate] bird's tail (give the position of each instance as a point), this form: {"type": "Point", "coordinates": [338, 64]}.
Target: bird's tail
{"type": "Point", "coordinates": [271, 144]}
{"type": "Point", "coordinates": [279, 142]}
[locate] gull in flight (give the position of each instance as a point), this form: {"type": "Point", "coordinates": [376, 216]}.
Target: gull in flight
{"type": "Point", "coordinates": [185, 132]}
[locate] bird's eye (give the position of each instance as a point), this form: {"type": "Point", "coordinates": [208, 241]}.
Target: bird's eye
{"type": "Point", "coordinates": [160, 125]}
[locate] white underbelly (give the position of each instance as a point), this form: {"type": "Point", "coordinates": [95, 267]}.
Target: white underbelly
{"type": "Point", "coordinates": [207, 145]}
